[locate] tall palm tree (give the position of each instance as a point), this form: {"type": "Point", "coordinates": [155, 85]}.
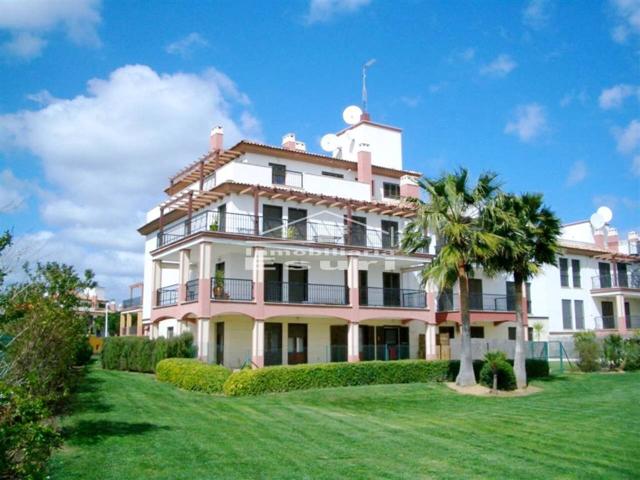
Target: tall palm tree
{"type": "Point", "coordinates": [529, 231]}
{"type": "Point", "coordinates": [453, 213]}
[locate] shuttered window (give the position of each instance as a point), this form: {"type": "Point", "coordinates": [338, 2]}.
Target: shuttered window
{"type": "Point", "coordinates": [564, 272]}
{"type": "Point", "coordinates": [567, 319]}
{"type": "Point", "coordinates": [578, 308]}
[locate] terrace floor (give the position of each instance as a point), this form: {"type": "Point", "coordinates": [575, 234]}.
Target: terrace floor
{"type": "Point", "coordinates": [127, 425]}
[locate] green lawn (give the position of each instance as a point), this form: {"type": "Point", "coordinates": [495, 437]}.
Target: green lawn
{"type": "Point", "coordinates": [128, 426]}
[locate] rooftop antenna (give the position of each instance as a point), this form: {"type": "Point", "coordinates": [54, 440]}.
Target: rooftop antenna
{"type": "Point", "coordinates": [600, 220]}
{"type": "Point", "coordinates": [364, 83]}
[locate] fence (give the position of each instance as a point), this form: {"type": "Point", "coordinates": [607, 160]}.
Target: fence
{"type": "Point", "coordinates": [480, 346]}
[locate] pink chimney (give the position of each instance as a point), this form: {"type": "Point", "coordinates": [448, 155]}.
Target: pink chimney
{"type": "Point", "coordinates": [216, 139]}
{"type": "Point", "coordinates": [409, 187]}
{"type": "Point", "coordinates": [364, 164]}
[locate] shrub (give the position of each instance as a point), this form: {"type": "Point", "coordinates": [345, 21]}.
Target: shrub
{"type": "Point", "coordinates": [589, 351]}
{"type": "Point", "coordinates": [84, 352]}
{"type": "Point", "coordinates": [613, 349]}
{"type": "Point", "coordinates": [325, 375]}
{"type": "Point", "coordinates": [191, 374]}
{"type": "Point", "coordinates": [26, 439]}
{"type": "Point", "coordinates": [497, 370]}
{"type": "Point", "coordinates": [536, 368]}
{"type": "Point", "coordinates": [140, 354]}
{"type": "Point", "coordinates": [632, 353]}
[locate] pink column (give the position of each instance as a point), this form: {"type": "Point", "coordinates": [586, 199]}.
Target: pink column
{"type": "Point", "coordinates": [353, 342]}
{"type": "Point", "coordinates": [622, 319]}
{"type": "Point", "coordinates": [257, 343]}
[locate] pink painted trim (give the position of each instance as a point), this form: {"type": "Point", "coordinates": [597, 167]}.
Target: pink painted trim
{"type": "Point", "coordinates": [476, 317]}
{"type": "Point", "coordinates": [258, 361]}
{"type": "Point", "coordinates": [353, 358]}
{"type": "Point", "coordinates": [409, 190]}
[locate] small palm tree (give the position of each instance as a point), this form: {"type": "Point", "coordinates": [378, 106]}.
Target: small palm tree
{"type": "Point", "coordinates": [454, 213]}
{"type": "Point", "coordinates": [494, 360]}
{"type": "Point", "coordinates": [529, 231]}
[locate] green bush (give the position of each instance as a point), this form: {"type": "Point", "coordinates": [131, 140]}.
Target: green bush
{"type": "Point", "coordinates": [191, 374]}
{"type": "Point", "coordinates": [325, 375]}
{"type": "Point", "coordinates": [613, 349]}
{"type": "Point", "coordinates": [140, 354]}
{"type": "Point", "coordinates": [496, 365]}
{"type": "Point", "coordinates": [84, 352]}
{"type": "Point", "coordinates": [26, 438]}
{"type": "Point", "coordinates": [536, 368]}
{"type": "Point", "coordinates": [589, 351]}
{"type": "Point", "coordinates": [632, 353]}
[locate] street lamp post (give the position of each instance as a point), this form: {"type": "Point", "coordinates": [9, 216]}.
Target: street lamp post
{"type": "Point", "coordinates": [106, 317]}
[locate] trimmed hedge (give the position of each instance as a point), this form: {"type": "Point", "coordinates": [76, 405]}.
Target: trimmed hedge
{"type": "Point", "coordinates": [191, 374]}
{"type": "Point", "coordinates": [140, 354]}
{"type": "Point", "coordinates": [327, 375]}
{"type": "Point", "coordinates": [506, 376]}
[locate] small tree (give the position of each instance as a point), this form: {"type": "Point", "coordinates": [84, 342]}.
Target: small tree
{"type": "Point", "coordinates": [538, 329]}
{"type": "Point", "coordinates": [589, 351]}
{"type": "Point", "coordinates": [613, 349]}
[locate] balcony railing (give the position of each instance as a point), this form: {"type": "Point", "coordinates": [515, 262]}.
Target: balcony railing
{"type": "Point", "coordinates": [606, 322]}
{"type": "Point", "coordinates": [167, 296]}
{"type": "Point", "coordinates": [628, 280]}
{"type": "Point", "coordinates": [480, 302]}
{"type": "Point", "coordinates": [132, 302]}
{"type": "Point", "coordinates": [232, 289]}
{"type": "Point", "coordinates": [191, 291]}
{"type": "Point", "coordinates": [275, 227]}
{"type": "Point", "coordinates": [306, 293]}
{"type": "Point", "coordinates": [633, 321]}
{"type": "Point", "coordinates": [393, 297]}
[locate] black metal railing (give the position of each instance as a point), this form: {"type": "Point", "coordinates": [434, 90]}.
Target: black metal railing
{"type": "Point", "coordinates": [633, 321]}
{"type": "Point", "coordinates": [232, 289]}
{"type": "Point", "coordinates": [191, 291]}
{"type": "Point", "coordinates": [167, 296]}
{"type": "Point", "coordinates": [606, 322]}
{"type": "Point", "coordinates": [307, 293]}
{"type": "Point", "coordinates": [486, 302]}
{"type": "Point", "coordinates": [132, 302]}
{"type": "Point", "coordinates": [393, 297]}
{"type": "Point", "coordinates": [384, 352]}
{"type": "Point", "coordinates": [628, 280]}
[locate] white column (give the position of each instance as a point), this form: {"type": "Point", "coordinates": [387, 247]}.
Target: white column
{"type": "Point", "coordinates": [257, 343]}
{"type": "Point", "coordinates": [620, 315]}
{"type": "Point", "coordinates": [430, 342]}
{"type": "Point", "coordinates": [203, 339]}
{"type": "Point", "coordinates": [204, 271]}
{"type": "Point", "coordinates": [183, 269]}
{"type": "Point", "coordinates": [157, 280]}
{"type": "Point", "coordinates": [353, 342]}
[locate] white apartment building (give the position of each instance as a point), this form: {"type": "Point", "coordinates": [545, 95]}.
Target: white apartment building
{"type": "Point", "coordinates": [276, 255]}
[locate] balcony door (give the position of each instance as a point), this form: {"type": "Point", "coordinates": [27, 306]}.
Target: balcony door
{"type": "Point", "coordinates": [297, 343]}
{"type": "Point", "coordinates": [272, 343]}
{"type": "Point", "coordinates": [608, 317]}
{"type": "Point", "coordinates": [338, 335]}
{"type": "Point", "coordinates": [222, 218]}
{"type": "Point", "coordinates": [272, 221]}
{"type": "Point", "coordinates": [367, 342]}
{"type": "Point", "coordinates": [391, 289]}
{"type": "Point", "coordinates": [623, 280]}
{"type": "Point", "coordinates": [475, 294]}
{"type": "Point", "coordinates": [297, 224]}
{"type": "Point", "coordinates": [298, 284]}
{"type": "Point", "coordinates": [604, 272]}
{"type": "Point", "coordinates": [273, 282]}
{"type": "Point", "coordinates": [389, 234]}
{"type": "Point", "coordinates": [392, 343]}
{"type": "Point", "coordinates": [220, 343]}
{"type": "Point", "coordinates": [363, 286]}
{"type": "Point", "coordinates": [358, 230]}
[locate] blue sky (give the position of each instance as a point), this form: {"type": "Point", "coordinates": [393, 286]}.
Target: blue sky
{"type": "Point", "coordinates": [102, 101]}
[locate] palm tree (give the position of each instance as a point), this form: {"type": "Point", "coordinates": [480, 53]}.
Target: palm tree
{"type": "Point", "coordinates": [454, 213]}
{"type": "Point", "coordinates": [529, 231]}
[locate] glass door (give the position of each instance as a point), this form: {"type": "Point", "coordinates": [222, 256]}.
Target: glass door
{"type": "Point", "coordinates": [297, 224]}
{"type": "Point", "coordinates": [272, 343]}
{"type": "Point", "coordinates": [391, 289]}
{"type": "Point", "coordinates": [297, 343]}
{"type": "Point", "coordinates": [272, 221]}
{"type": "Point", "coordinates": [608, 317]}
{"type": "Point", "coordinates": [220, 343]}
{"type": "Point", "coordinates": [604, 270]}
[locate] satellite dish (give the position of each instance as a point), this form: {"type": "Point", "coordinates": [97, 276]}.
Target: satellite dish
{"type": "Point", "coordinates": [329, 142]}
{"type": "Point", "coordinates": [352, 114]}
{"type": "Point", "coordinates": [597, 221]}
{"type": "Point", "coordinates": [605, 213]}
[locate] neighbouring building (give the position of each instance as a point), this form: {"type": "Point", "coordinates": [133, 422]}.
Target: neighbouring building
{"type": "Point", "coordinates": [93, 303]}
{"type": "Point", "coordinates": [275, 255]}
{"type": "Point", "coordinates": [131, 312]}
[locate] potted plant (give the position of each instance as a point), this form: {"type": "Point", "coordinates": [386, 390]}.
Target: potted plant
{"type": "Point", "coordinates": [218, 284]}
{"type": "Point", "coordinates": [214, 226]}
{"type": "Point", "coordinates": [291, 233]}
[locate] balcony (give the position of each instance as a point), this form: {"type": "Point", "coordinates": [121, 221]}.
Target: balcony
{"type": "Point", "coordinates": [232, 289]}
{"type": "Point", "coordinates": [610, 322]}
{"type": "Point", "coordinates": [191, 291]}
{"type": "Point", "coordinates": [275, 227]}
{"type": "Point", "coordinates": [131, 303]}
{"type": "Point", "coordinates": [628, 280]}
{"type": "Point", "coordinates": [166, 296]}
{"type": "Point", "coordinates": [479, 302]}
{"type": "Point", "coordinates": [393, 297]}
{"type": "Point", "coordinates": [306, 293]}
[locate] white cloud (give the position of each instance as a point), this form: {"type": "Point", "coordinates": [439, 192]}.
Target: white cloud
{"type": "Point", "coordinates": [501, 66]}
{"type": "Point", "coordinates": [628, 138]}
{"type": "Point", "coordinates": [28, 21]}
{"type": "Point", "coordinates": [536, 14]}
{"type": "Point", "coordinates": [437, 87]}
{"type": "Point", "coordinates": [529, 122]}
{"type": "Point", "coordinates": [107, 153]}
{"type": "Point", "coordinates": [577, 173]}
{"type": "Point", "coordinates": [13, 192]}
{"type": "Point", "coordinates": [574, 96]}
{"type": "Point", "coordinates": [614, 97]}
{"type": "Point", "coordinates": [462, 56]}
{"type": "Point", "coordinates": [627, 13]}
{"type": "Point", "coordinates": [411, 101]}
{"type": "Point", "coordinates": [635, 166]}
{"type": "Point", "coordinates": [321, 11]}
{"type": "Point", "coordinates": [185, 46]}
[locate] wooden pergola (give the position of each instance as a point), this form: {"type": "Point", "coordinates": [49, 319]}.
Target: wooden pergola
{"type": "Point", "coordinates": [200, 170]}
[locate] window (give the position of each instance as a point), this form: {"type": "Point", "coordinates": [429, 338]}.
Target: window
{"type": "Point", "coordinates": [389, 234]}
{"type": "Point", "coordinates": [578, 307]}
{"type": "Point", "coordinates": [575, 271]}
{"type": "Point", "coordinates": [278, 173]}
{"type": "Point", "coordinates": [331, 174]}
{"type": "Point", "coordinates": [567, 319]}
{"type": "Point", "coordinates": [564, 272]}
{"type": "Point", "coordinates": [477, 332]}
{"type": "Point", "coordinates": [451, 331]}
{"type": "Point", "coordinates": [391, 190]}
{"type": "Point", "coordinates": [169, 332]}
{"type": "Point", "coordinates": [512, 333]}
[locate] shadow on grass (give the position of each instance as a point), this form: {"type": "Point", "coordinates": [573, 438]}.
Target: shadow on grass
{"type": "Point", "coordinates": [90, 432]}
{"type": "Point", "coordinates": [89, 397]}
{"type": "Point", "coordinates": [553, 377]}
